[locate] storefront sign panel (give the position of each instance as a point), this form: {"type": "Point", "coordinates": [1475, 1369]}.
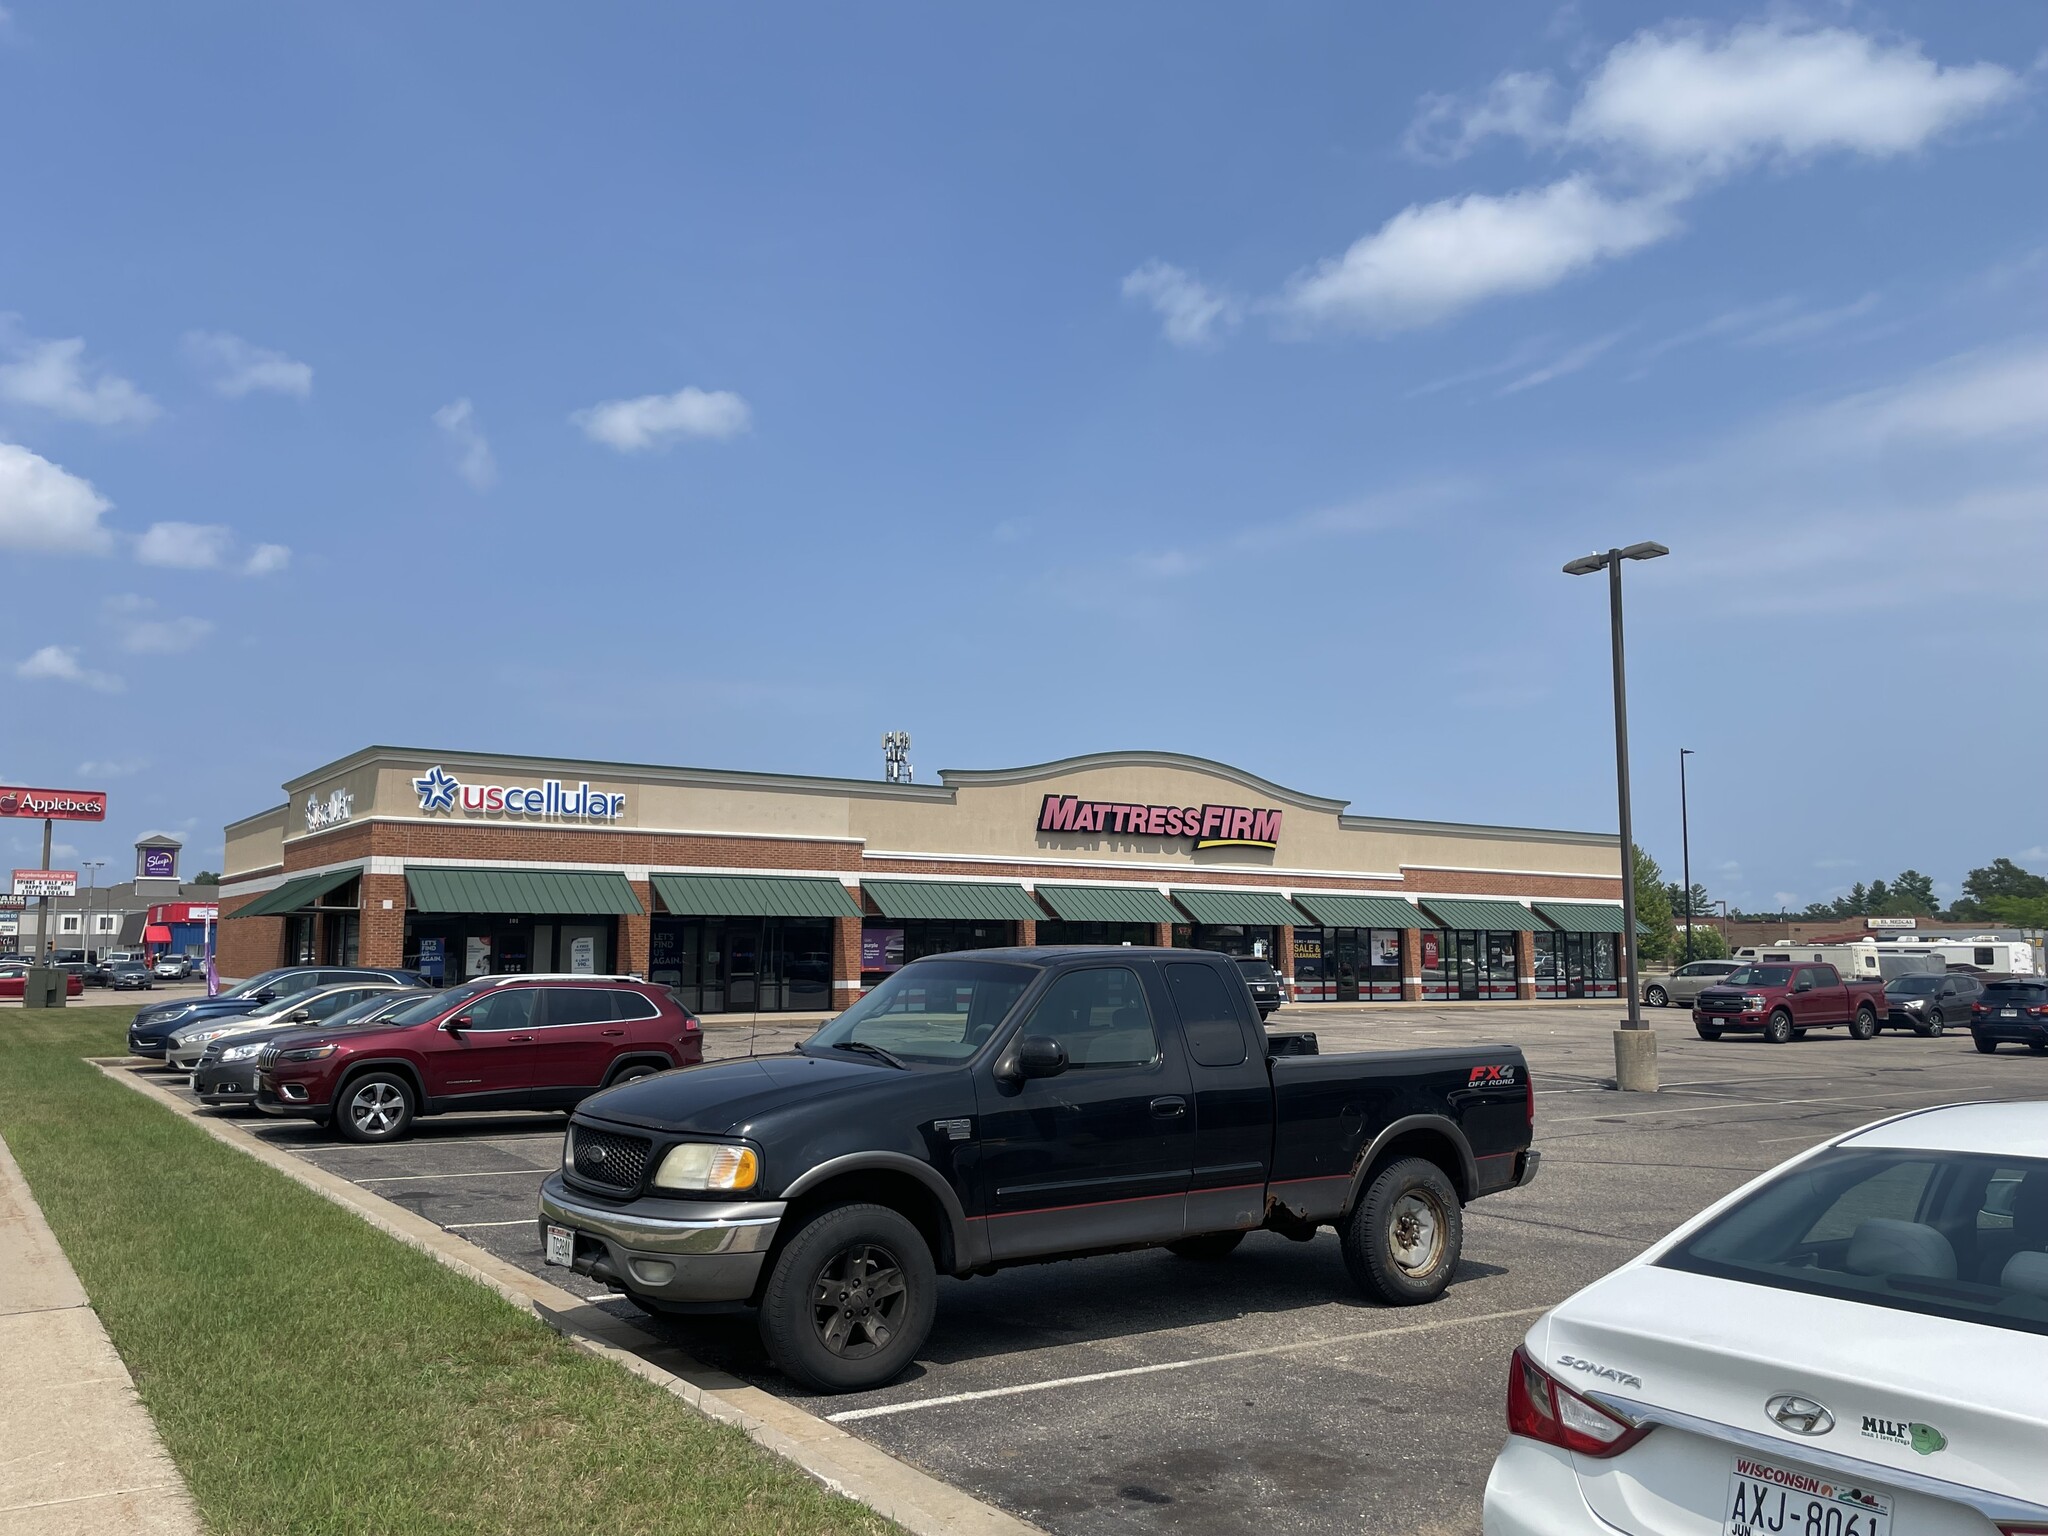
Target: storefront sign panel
{"type": "Point", "coordinates": [158, 864]}
{"type": "Point", "coordinates": [1209, 826]}
{"type": "Point", "coordinates": [434, 959]}
{"type": "Point", "coordinates": [54, 804]}
{"type": "Point", "coordinates": [330, 810]}
{"type": "Point", "coordinates": [440, 790]}
{"type": "Point", "coordinates": [46, 882]}
{"type": "Point", "coordinates": [881, 949]}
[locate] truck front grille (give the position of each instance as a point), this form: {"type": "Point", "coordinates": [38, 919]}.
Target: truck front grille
{"type": "Point", "coordinates": [601, 1157]}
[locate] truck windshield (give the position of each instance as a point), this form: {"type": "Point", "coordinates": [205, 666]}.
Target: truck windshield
{"type": "Point", "coordinates": [932, 1012]}
{"type": "Point", "coordinates": [1760, 976]}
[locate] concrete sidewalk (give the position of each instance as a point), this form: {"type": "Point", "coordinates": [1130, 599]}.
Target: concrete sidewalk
{"type": "Point", "coordinates": [78, 1453]}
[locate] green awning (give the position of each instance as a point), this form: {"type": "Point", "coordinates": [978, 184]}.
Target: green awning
{"type": "Point", "coordinates": [1358, 911]}
{"type": "Point", "coordinates": [297, 894]}
{"type": "Point", "coordinates": [1108, 904]}
{"type": "Point", "coordinates": [754, 896]}
{"type": "Point", "coordinates": [1241, 909]}
{"type": "Point", "coordinates": [1503, 916]}
{"type": "Point", "coordinates": [966, 901]}
{"type": "Point", "coordinates": [528, 892]}
{"type": "Point", "coordinates": [1582, 916]}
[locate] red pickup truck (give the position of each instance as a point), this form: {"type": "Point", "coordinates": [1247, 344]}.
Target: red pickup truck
{"type": "Point", "coordinates": [1784, 1001]}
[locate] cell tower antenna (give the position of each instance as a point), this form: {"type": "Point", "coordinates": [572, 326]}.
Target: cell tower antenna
{"type": "Point", "coordinates": [896, 757]}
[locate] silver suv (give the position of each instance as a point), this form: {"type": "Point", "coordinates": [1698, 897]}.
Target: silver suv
{"type": "Point", "coordinates": [1684, 984]}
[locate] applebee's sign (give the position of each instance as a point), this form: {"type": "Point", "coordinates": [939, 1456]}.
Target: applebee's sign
{"type": "Point", "coordinates": [1211, 826]}
{"type": "Point", "coordinates": [440, 790]}
{"type": "Point", "coordinates": [54, 804]}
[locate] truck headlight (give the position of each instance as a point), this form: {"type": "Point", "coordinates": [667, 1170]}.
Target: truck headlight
{"type": "Point", "coordinates": [699, 1165]}
{"type": "Point", "coordinates": [1753, 1003]}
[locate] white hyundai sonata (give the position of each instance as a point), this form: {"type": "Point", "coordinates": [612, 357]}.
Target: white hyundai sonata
{"type": "Point", "coordinates": [1855, 1344]}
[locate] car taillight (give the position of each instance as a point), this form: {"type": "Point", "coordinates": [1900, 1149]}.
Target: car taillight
{"type": "Point", "coordinates": [1540, 1407]}
{"type": "Point", "coordinates": [1978, 1008]}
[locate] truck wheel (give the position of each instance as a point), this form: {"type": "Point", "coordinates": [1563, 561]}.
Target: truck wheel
{"type": "Point", "coordinates": [1778, 1027]}
{"type": "Point", "coordinates": [1657, 997]}
{"type": "Point", "coordinates": [374, 1107]}
{"type": "Point", "coordinates": [1402, 1240]}
{"type": "Point", "coordinates": [1207, 1248]}
{"type": "Point", "coordinates": [850, 1300]}
{"type": "Point", "coordinates": [1708, 1031]}
{"type": "Point", "coordinates": [1864, 1025]}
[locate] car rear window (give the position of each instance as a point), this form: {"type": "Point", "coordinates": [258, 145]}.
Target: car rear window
{"type": "Point", "coordinates": [1946, 1234]}
{"type": "Point", "coordinates": [2032, 993]}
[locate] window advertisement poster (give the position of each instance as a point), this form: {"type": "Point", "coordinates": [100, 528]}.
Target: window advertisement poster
{"type": "Point", "coordinates": [583, 956]}
{"type": "Point", "coordinates": [477, 962]}
{"type": "Point", "coordinates": [434, 960]}
{"type": "Point", "coordinates": [1432, 955]}
{"type": "Point", "coordinates": [881, 949]}
{"type": "Point", "coordinates": [665, 955]}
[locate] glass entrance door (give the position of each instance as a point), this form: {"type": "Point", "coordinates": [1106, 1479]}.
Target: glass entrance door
{"type": "Point", "coordinates": [1573, 946]}
{"type": "Point", "coordinates": [1470, 954]}
{"type": "Point", "coordinates": [1347, 947]}
{"type": "Point", "coordinates": [743, 967]}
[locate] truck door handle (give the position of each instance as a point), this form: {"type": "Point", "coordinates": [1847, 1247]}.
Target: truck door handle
{"type": "Point", "coordinates": [1170, 1108]}
{"type": "Point", "coordinates": [611, 1031]}
{"type": "Point", "coordinates": [519, 1039]}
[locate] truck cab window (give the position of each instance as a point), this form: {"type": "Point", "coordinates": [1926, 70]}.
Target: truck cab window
{"type": "Point", "coordinates": [1100, 1017]}
{"type": "Point", "coordinates": [1207, 1016]}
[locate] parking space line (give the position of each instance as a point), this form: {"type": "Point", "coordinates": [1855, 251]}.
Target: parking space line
{"type": "Point", "coordinates": [1727, 1103]}
{"type": "Point", "coordinates": [887, 1410]}
{"type": "Point", "coordinates": [417, 1178]}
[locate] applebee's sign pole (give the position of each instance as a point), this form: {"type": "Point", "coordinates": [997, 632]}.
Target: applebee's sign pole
{"type": "Point", "coordinates": [52, 805]}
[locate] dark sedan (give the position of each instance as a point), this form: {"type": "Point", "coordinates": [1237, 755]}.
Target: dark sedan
{"type": "Point", "coordinates": [127, 976]}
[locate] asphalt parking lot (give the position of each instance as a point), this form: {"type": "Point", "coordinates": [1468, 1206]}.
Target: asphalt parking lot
{"type": "Point", "coordinates": [1144, 1393]}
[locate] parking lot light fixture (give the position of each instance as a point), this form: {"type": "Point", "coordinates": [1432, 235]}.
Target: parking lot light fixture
{"type": "Point", "coordinates": [1635, 1046]}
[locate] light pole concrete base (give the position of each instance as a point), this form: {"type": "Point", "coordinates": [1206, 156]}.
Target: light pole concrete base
{"type": "Point", "coordinates": [1635, 1060]}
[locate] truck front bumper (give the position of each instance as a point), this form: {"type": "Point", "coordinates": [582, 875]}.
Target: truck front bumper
{"type": "Point", "coordinates": [671, 1250]}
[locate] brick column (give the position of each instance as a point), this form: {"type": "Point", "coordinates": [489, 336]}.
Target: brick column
{"type": "Point", "coordinates": [1411, 965]}
{"type": "Point", "coordinates": [1162, 935]}
{"type": "Point", "coordinates": [383, 937]}
{"type": "Point", "coordinates": [1284, 961]}
{"type": "Point", "coordinates": [242, 946]}
{"type": "Point", "coordinates": [845, 961]}
{"type": "Point", "coordinates": [636, 934]}
{"type": "Point", "coordinates": [1525, 966]}
{"type": "Point", "coordinates": [1027, 931]}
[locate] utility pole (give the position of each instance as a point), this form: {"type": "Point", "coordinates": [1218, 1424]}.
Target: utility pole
{"type": "Point", "coordinates": [46, 942]}
{"type": "Point", "coordinates": [1685, 846]}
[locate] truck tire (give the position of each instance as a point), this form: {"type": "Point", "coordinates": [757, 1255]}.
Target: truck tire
{"type": "Point", "coordinates": [1403, 1237]}
{"type": "Point", "coordinates": [1657, 997]}
{"type": "Point", "coordinates": [1778, 1027]}
{"type": "Point", "coordinates": [1708, 1031]}
{"type": "Point", "coordinates": [1207, 1248]}
{"type": "Point", "coordinates": [1864, 1025]}
{"type": "Point", "coordinates": [850, 1300]}
{"type": "Point", "coordinates": [1932, 1029]}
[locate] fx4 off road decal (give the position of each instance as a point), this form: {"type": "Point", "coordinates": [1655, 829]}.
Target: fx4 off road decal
{"type": "Point", "coordinates": [1491, 1077]}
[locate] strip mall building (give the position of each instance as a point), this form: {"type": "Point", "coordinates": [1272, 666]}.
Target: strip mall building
{"type": "Point", "coordinates": [750, 891]}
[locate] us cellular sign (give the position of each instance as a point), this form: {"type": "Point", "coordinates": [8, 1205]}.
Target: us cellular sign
{"type": "Point", "coordinates": [1211, 826]}
{"type": "Point", "coordinates": [440, 790]}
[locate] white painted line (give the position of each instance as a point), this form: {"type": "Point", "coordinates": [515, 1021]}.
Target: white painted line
{"type": "Point", "coordinates": [415, 1178]}
{"type": "Point", "coordinates": [464, 1226]}
{"type": "Point", "coordinates": [889, 1409]}
{"type": "Point", "coordinates": [1695, 1109]}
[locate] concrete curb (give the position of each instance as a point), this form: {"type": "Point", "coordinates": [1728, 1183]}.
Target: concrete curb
{"type": "Point", "coordinates": [843, 1462]}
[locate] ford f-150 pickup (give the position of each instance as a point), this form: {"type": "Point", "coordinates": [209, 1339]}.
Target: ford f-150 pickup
{"type": "Point", "coordinates": [1013, 1106]}
{"type": "Point", "coordinates": [1785, 1001]}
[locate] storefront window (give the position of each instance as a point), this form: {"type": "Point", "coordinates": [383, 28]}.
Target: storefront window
{"type": "Point", "coordinates": [1438, 964]}
{"type": "Point", "coordinates": [1601, 980]}
{"type": "Point", "coordinates": [1499, 978]}
{"type": "Point", "coordinates": [1245, 942]}
{"type": "Point", "coordinates": [1057, 931]}
{"type": "Point", "coordinates": [1315, 963]}
{"type": "Point", "coordinates": [1383, 965]}
{"type": "Point", "coordinates": [467, 946]}
{"type": "Point", "coordinates": [744, 964]}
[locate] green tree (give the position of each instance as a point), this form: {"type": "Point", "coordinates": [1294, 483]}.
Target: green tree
{"type": "Point", "coordinates": [1707, 942]}
{"type": "Point", "coordinates": [2018, 911]}
{"type": "Point", "coordinates": [1653, 910]}
{"type": "Point", "coordinates": [2001, 878]}
{"type": "Point", "coordinates": [1701, 903]}
{"type": "Point", "coordinates": [205, 877]}
{"type": "Point", "coordinates": [1911, 895]}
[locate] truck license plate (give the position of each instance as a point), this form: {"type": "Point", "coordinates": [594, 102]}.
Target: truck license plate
{"type": "Point", "coordinates": [1768, 1500]}
{"type": "Point", "coordinates": [561, 1246]}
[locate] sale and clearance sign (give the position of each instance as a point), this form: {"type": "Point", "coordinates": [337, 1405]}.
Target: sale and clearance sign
{"type": "Point", "coordinates": [54, 804]}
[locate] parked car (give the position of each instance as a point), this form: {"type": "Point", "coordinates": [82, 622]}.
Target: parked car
{"type": "Point", "coordinates": [226, 1073]}
{"type": "Point", "coordinates": [153, 1024]}
{"type": "Point", "coordinates": [1928, 1004]}
{"type": "Point", "coordinates": [188, 1042]}
{"type": "Point", "coordinates": [1268, 987]}
{"type": "Point", "coordinates": [129, 976]}
{"type": "Point", "coordinates": [1684, 984]}
{"type": "Point", "coordinates": [1013, 1106]}
{"type": "Point", "coordinates": [14, 982]}
{"type": "Point", "coordinates": [172, 967]}
{"type": "Point", "coordinates": [87, 973]}
{"type": "Point", "coordinates": [1783, 1002]}
{"type": "Point", "coordinates": [504, 1042]}
{"type": "Point", "coordinates": [2013, 1009]}
{"type": "Point", "coordinates": [1726, 1380]}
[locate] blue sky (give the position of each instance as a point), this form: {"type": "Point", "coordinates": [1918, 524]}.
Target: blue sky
{"type": "Point", "coordinates": [725, 386]}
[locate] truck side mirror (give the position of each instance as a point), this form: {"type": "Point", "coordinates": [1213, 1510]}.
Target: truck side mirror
{"type": "Point", "coordinates": [1041, 1056]}
{"type": "Point", "coordinates": [1802, 986]}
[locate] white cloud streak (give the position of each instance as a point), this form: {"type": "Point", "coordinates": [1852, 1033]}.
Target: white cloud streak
{"type": "Point", "coordinates": [140, 630]}
{"type": "Point", "coordinates": [54, 376]}
{"type": "Point", "coordinates": [60, 664]}
{"type": "Point", "coordinates": [1571, 362]}
{"type": "Point", "coordinates": [234, 367]}
{"type": "Point", "coordinates": [1190, 312]}
{"type": "Point", "coordinates": [185, 546]}
{"type": "Point", "coordinates": [655, 421]}
{"type": "Point", "coordinates": [267, 560]}
{"type": "Point", "coordinates": [473, 458]}
{"type": "Point", "coordinates": [45, 507]}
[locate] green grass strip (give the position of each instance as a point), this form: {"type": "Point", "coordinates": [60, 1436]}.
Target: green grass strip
{"type": "Point", "coordinates": [310, 1375]}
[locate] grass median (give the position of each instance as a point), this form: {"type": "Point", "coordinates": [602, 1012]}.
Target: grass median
{"type": "Point", "coordinates": [310, 1375]}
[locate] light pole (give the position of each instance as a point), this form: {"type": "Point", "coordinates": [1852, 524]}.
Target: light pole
{"type": "Point", "coordinates": [92, 880]}
{"type": "Point", "coordinates": [1685, 849]}
{"type": "Point", "coordinates": [1635, 1045]}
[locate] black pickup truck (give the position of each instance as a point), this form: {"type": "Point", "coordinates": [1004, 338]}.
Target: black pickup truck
{"type": "Point", "coordinates": [1012, 1106]}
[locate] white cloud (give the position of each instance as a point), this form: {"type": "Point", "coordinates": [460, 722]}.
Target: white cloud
{"type": "Point", "coordinates": [112, 768]}
{"type": "Point", "coordinates": [266, 560]}
{"type": "Point", "coordinates": [53, 376]}
{"type": "Point", "coordinates": [140, 630]}
{"type": "Point", "coordinates": [1715, 101]}
{"type": "Point", "coordinates": [46, 507]}
{"type": "Point", "coordinates": [1432, 260]}
{"type": "Point", "coordinates": [1977, 398]}
{"type": "Point", "coordinates": [653, 421]}
{"type": "Point", "coordinates": [185, 546]}
{"type": "Point", "coordinates": [1189, 310]}
{"type": "Point", "coordinates": [473, 458]}
{"type": "Point", "coordinates": [1571, 362]}
{"type": "Point", "coordinates": [235, 367]}
{"type": "Point", "coordinates": [60, 664]}
{"type": "Point", "coordinates": [1518, 105]}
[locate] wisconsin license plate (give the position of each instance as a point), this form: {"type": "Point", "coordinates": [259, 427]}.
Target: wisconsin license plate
{"type": "Point", "coordinates": [2008, 1013]}
{"type": "Point", "coordinates": [560, 1247]}
{"type": "Point", "coordinates": [1769, 1500]}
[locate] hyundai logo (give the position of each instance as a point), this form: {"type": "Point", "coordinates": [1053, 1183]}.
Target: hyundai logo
{"type": "Point", "coordinates": [1801, 1415]}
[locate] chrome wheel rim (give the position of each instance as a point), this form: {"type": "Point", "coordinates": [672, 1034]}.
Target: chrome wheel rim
{"type": "Point", "coordinates": [374, 1108]}
{"type": "Point", "coordinates": [858, 1301]}
{"type": "Point", "coordinates": [1415, 1236]}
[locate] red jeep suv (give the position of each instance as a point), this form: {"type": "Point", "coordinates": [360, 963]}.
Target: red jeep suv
{"type": "Point", "coordinates": [506, 1042]}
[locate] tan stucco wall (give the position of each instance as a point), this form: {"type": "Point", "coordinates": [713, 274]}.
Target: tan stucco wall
{"type": "Point", "coordinates": [257, 843]}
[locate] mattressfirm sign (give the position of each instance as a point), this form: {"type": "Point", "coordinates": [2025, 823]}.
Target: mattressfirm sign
{"type": "Point", "coordinates": [440, 790]}
{"type": "Point", "coordinates": [1211, 826]}
{"type": "Point", "coordinates": [46, 882]}
{"type": "Point", "coordinates": [54, 804]}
